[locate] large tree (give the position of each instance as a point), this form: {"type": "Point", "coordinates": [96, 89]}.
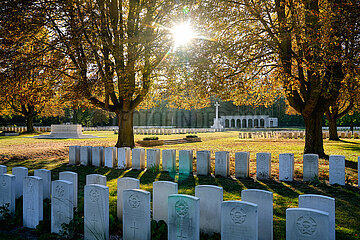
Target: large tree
{"type": "Point", "coordinates": [115, 47]}
{"type": "Point", "coordinates": [296, 42]}
{"type": "Point", "coordinates": [28, 75]}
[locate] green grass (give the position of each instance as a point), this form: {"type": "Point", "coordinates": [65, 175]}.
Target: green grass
{"type": "Point", "coordinates": [52, 154]}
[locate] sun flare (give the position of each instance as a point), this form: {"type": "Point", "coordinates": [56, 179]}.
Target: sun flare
{"type": "Point", "coordinates": [182, 34]}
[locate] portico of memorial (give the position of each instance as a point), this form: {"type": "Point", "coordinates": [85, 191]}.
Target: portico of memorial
{"type": "Point", "coordinates": [248, 121]}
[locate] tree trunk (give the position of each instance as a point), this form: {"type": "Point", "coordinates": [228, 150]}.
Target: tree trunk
{"type": "Point", "coordinates": [30, 123]}
{"type": "Point", "coordinates": [313, 134]}
{"type": "Point", "coordinates": [333, 134]}
{"type": "Point", "coordinates": [126, 133]}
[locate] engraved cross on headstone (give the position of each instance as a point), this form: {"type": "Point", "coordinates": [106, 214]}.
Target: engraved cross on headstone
{"type": "Point", "coordinates": [135, 228]}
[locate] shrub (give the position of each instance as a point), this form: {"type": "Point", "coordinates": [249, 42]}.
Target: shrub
{"type": "Point", "coordinates": [150, 138]}
{"type": "Point", "coordinates": [191, 136]}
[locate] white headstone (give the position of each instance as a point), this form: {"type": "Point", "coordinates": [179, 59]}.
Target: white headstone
{"type": "Point", "coordinates": [169, 160]}
{"type": "Point", "coordinates": [161, 191]}
{"type": "Point", "coordinates": [85, 155]}
{"type": "Point", "coordinates": [185, 161]}
{"type": "Point", "coordinates": [136, 214]}
{"type": "Point", "coordinates": [310, 166]}
{"type": "Point", "coordinates": [263, 166]}
{"type": "Point", "coordinates": [203, 162]}
{"type": "Point", "coordinates": [183, 217]}
{"type": "Point", "coordinates": [286, 167]}
{"type": "Point", "coordinates": [74, 155]}
{"type": "Point", "coordinates": [138, 158]}
{"type": "Point", "coordinates": [32, 201]}
{"type": "Point", "coordinates": [71, 177]}
{"type": "Point", "coordinates": [7, 191]}
{"type": "Point", "coordinates": [3, 169]}
{"type": "Point", "coordinates": [321, 203]}
{"type": "Point", "coordinates": [264, 200]}
{"type": "Point", "coordinates": [96, 212]}
{"type": "Point", "coordinates": [110, 157]}
{"type": "Point", "coordinates": [123, 184]}
{"type": "Point", "coordinates": [46, 177]}
{"type": "Point", "coordinates": [62, 205]}
{"type": "Point", "coordinates": [222, 163]}
{"type": "Point", "coordinates": [305, 223]}
{"type": "Point", "coordinates": [97, 156]}
{"type": "Point", "coordinates": [124, 160]}
{"type": "Point", "coordinates": [96, 179]}
{"type": "Point", "coordinates": [152, 158]}
{"type": "Point", "coordinates": [337, 169]}
{"type": "Point", "coordinates": [211, 198]}
{"type": "Point", "coordinates": [242, 164]}
{"type": "Point", "coordinates": [239, 220]}
{"type": "Point", "coordinates": [20, 173]}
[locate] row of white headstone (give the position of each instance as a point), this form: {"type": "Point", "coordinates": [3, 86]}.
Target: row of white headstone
{"type": "Point", "coordinates": [185, 215]}
{"type": "Point", "coordinates": [292, 134]}
{"type": "Point", "coordinates": [120, 158]}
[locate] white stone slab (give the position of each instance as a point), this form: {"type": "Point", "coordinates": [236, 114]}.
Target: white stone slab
{"type": "Point", "coordinates": [96, 179]}
{"type": "Point", "coordinates": [97, 155]}
{"type": "Point", "coordinates": [7, 191]}
{"type": "Point", "coordinates": [85, 155]}
{"type": "Point", "coordinates": [152, 158]}
{"type": "Point", "coordinates": [124, 157]}
{"type": "Point", "coordinates": [286, 167]}
{"type": "Point", "coordinates": [169, 160]}
{"type": "Point", "coordinates": [264, 200]}
{"type": "Point", "coordinates": [185, 162]}
{"type": "Point", "coordinates": [136, 214]}
{"type": "Point", "coordinates": [3, 169]}
{"type": "Point", "coordinates": [20, 173]}
{"type": "Point", "coordinates": [71, 177]}
{"type": "Point", "coordinates": [138, 158]}
{"type": "Point", "coordinates": [62, 204]}
{"type": "Point", "coordinates": [183, 217]}
{"type": "Point", "coordinates": [305, 223]}
{"type": "Point", "coordinates": [46, 177]}
{"type": "Point", "coordinates": [239, 220]}
{"type": "Point", "coordinates": [203, 163]}
{"type": "Point", "coordinates": [321, 203]}
{"type": "Point", "coordinates": [96, 212]}
{"type": "Point", "coordinates": [242, 164]}
{"type": "Point", "coordinates": [337, 169]}
{"type": "Point", "coordinates": [32, 201]}
{"type": "Point", "coordinates": [222, 163]}
{"type": "Point", "coordinates": [211, 198]}
{"type": "Point", "coordinates": [263, 166]}
{"type": "Point", "coordinates": [110, 157]}
{"type": "Point", "coordinates": [310, 167]}
{"type": "Point", "coordinates": [74, 155]}
{"type": "Point", "coordinates": [123, 184]}
{"type": "Point", "coordinates": [161, 191]}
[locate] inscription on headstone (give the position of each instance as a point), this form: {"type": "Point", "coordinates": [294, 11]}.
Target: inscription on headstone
{"type": "Point", "coordinates": [337, 169]}
{"type": "Point", "coordinates": [32, 201]}
{"type": "Point", "coordinates": [242, 164]}
{"type": "Point", "coordinates": [96, 212]}
{"type": "Point", "coordinates": [263, 166]}
{"type": "Point", "coordinates": [7, 191]}
{"type": "Point", "coordinates": [136, 214]}
{"type": "Point", "coordinates": [183, 217]}
{"type": "Point", "coordinates": [239, 220]}
{"type": "Point", "coordinates": [169, 160]}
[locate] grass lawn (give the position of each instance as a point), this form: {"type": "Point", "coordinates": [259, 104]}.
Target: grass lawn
{"type": "Point", "coordinates": [52, 155]}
